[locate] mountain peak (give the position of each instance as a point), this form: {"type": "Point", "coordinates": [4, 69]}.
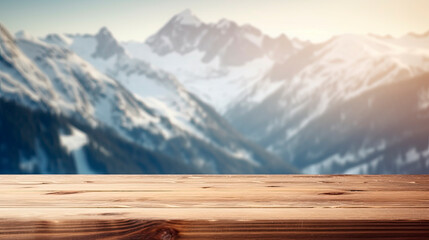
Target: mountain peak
{"type": "Point", "coordinates": [23, 35]}
{"type": "Point", "coordinates": [186, 12]}
{"type": "Point", "coordinates": [224, 23]}
{"type": "Point", "coordinates": [107, 45]}
{"type": "Point", "coordinates": [186, 17]}
{"type": "Point", "coordinates": [282, 36]}
{"type": "Point", "coordinates": [104, 31]}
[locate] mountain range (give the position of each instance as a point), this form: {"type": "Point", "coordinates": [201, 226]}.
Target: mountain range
{"type": "Point", "coordinates": [103, 88]}
{"type": "Point", "coordinates": [214, 98]}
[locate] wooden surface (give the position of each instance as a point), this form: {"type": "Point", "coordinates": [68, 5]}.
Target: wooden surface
{"type": "Point", "coordinates": [214, 207]}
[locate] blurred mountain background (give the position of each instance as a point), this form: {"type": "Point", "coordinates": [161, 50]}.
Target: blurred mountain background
{"type": "Point", "coordinates": [219, 97]}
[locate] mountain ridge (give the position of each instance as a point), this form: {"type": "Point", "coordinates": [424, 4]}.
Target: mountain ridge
{"type": "Point", "coordinates": [289, 96]}
{"type": "Point", "coordinates": [88, 95]}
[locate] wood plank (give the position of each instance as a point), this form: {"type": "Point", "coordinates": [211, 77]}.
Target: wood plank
{"type": "Point", "coordinates": [214, 207]}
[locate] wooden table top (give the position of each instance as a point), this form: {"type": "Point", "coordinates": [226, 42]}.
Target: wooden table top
{"type": "Point", "coordinates": [214, 207]}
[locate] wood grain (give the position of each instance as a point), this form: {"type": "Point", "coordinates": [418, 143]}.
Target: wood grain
{"type": "Point", "coordinates": [214, 207]}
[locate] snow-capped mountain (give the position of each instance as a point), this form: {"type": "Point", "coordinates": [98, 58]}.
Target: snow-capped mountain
{"type": "Point", "coordinates": [152, 86]}
{"type": "Point", "coordinates": [308, 89]}
{"type": "Point", "coordinates": [52, 77]}
{"type": "Point", "coordinates": [215, 61]}
{"type": "Point", "coordinates": [353, 104]}
{"type": "Point", "coordinates": [225, 41]}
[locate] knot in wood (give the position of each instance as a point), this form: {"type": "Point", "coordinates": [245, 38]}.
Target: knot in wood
{"type": "Point", "coordinates": [167, 234]}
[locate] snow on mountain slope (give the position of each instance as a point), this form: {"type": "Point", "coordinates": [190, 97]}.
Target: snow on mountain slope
{"type": "Point", "coordinates": [349, 65]}
{"type": "Point", "coordinates": [156, 87]}
{"type": "Point", "coordinates": [74, 144]}
{"type": "Point", "coordinates": [178, 125]}
{"type": "Point", "coordinates": [35, 141]}
{"type": "Point", "coordinates": [310, 83]}
{"type": "Point", "coordinates": [340, 69]}
{"type": "Point", "coordinates": [391, 135]}
{"type": "Point", "coordinates": [20, 79]}
{"type": "Point", "coordinates": [215, 61]}
{"type": "Point", "coordinates": [217, 85]}
{"type": "Point", "coordinates": [58, 80]}
{"type": "Point", "coordinates": [140, 78]}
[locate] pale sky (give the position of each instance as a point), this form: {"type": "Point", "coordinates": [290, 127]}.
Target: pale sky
{"type": "Point", "coordinates": [314, 20]}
